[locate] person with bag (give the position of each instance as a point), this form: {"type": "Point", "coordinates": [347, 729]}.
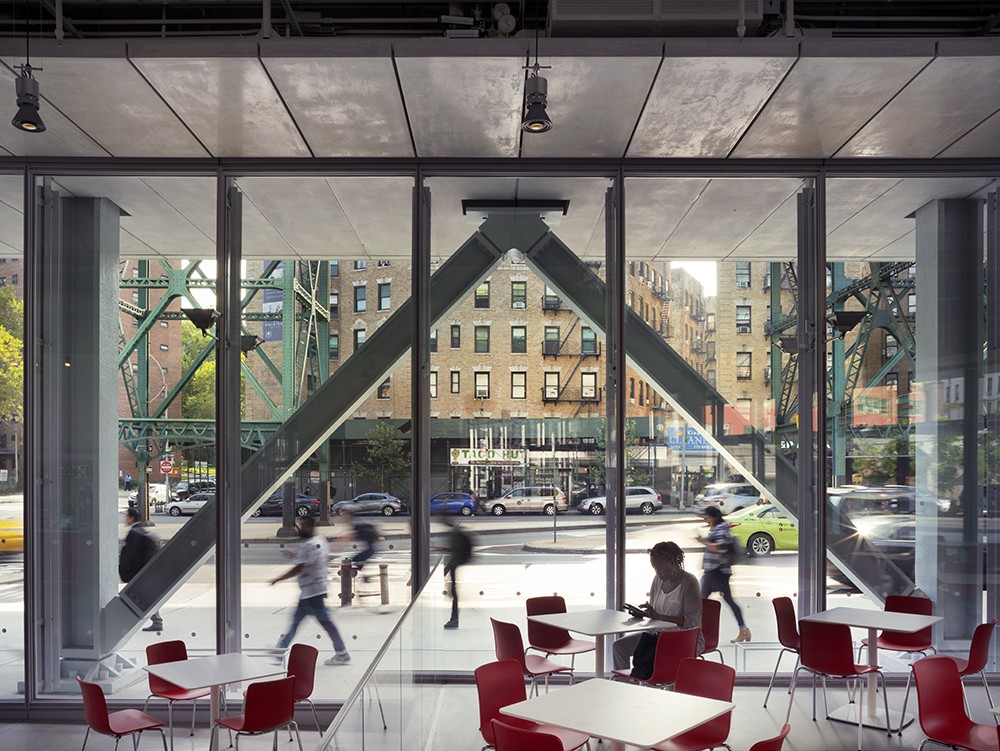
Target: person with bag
{"type": "Point", "coordinates": [139, 548]}
{"type": "Point", "coordinates": [673, 597]}
{"type": "Point", "coordinates": [720, 554]}
{"type": "Point", "coordinates": [459, 549]}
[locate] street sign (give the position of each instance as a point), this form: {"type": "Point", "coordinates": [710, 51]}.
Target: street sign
{"type": "Point", "coordinates": [166, 467]}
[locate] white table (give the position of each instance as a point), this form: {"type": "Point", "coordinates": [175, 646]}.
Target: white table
{"type": "Point", "coordinates": [623, 713]}
{"type": "Point", "coordinates": [214, 672]}
{"type": "Point", "coordinates": [874, 621]}
{"type": "Point", "coordinates": [600, 624]}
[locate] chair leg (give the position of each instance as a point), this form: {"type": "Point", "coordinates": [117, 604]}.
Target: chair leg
{"type": "Point", "coordinates": [194, 713]}
{"type": "Point", "coordinates": [380, 710]}
{"type": "Point", "coordinates": [299, 737]}
{"type": "Point", "coordinates": [135, 740]}
{"type": "Point", "coordinates": [170, 723]}
{"type": "Point", "coordinates": [117, 739]}
{"type": "Point", "coordinates": [312, 707]}
{"type": "Point", "coordinates": [885, 705]}
{"type": "Point", "coordinates": [774, 675]}
{"type": "Point", "coordinates": [906, 700]}
{"type": "Point", "coordinates": [791, 698]}
{"type": "Point", "coordinates": [163, 738]}
{"type": "Point", "coordinates": [989, 697]}
{"type": "Point", "coordinates": [274, 740]}
{"type": "Point", "coordinates": [85, 737]}
{"type": "Point", "coordinates": [860, 710]}
{"type": "Point", "coordinates": [814, 697]}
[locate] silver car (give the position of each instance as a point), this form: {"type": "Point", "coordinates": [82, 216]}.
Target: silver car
{"type": "Point", "coordinates": [638, 498]}
{"type": "Point", "coordinates": [727, 496]}
{"type": "Point", "coordinates": [534, 499]}
{"type": "Point", "coordinates": [370, 503]}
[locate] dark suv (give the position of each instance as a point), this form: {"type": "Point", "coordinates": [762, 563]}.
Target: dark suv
{"type": "Point", "coordinates": [304, 505]}
{"type": "Point", "coordinates": [184, 488]}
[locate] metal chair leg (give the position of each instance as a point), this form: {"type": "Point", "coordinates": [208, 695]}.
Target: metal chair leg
{"type": "Point", "coordinates": [858, 689]}
{"type": "Point", "coordinates": [906, 700]}
{"type": "Point", "coordinates": [885, 703]}
{"type": "Point", "coordinates": [170, 723]}
{"type": "Point", "coordinates": [163, 737]}
{"type": "Point", "coordinates": [814, 697]}
{"type": "Point", "coordinates": [380, 710]}
{"type": "Point", "coordinates": [85, 737]}
{"type": "Point", "coordinates": [299, 737]}
{"type": "Point", "coordinates": [791, 698]}
{"type": "Point", "coordinates": [194, 713]}
{"type": "Point", "coordinates": [316, 719]}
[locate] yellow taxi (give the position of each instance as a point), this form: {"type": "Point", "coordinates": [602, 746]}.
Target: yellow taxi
{"type": "Point", "coordinates": [11, 537]}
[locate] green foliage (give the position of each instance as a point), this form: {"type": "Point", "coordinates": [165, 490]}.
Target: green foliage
{"type": "Point", "coordinates": [633, 475]}
{"type": "Point", "coordinates": [198, 396]}
{"type": "Point", "coordinates": [387, 458]}
{"type": "Point", "coordinates": [880, 467]}
{"type": "Point", "coordinates": [11, 355]}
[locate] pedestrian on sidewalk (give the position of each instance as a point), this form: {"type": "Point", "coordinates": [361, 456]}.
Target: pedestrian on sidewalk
{"type": "Point", "coordinates": [310, 571]}
{"type": "Point", "coordinates": [139, 548]}
{"type": "Point", "coordinates": [459, 549]}
{"type": "Point", "coordinates": [365, 534]}
{"type": "Point", "coordinates": [720, 550]}
{"type": "Point", "coordinates": [128, 483]}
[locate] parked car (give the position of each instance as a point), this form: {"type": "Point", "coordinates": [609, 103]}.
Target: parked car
{"type": "Point", "coordinates": [639, 498]}
{"type": "Point", "coordinates": [189, 504]}
{"type": "Point", "coordinates": [11, 537]}
{"type": "Point", "coordinates": [538, 499]}
{"type": "Point", "coordinates": [762, 529]}
{"type": "Point", "coordinates": [273, 504]}
{"type": "Point", "coordinates": [184, 488]}
{"type": "Point", "coordinates": [454, 503]}
{"type": "Point", "coordinates": [371, 503]}
{"type": "Point", "coordinates": [157, 494]}
{"type": "Point", "coordinates": [727, 496]}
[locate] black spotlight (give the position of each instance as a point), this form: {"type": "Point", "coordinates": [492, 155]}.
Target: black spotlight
{"type": "Point", "coordinates": [536, 119]}
{"type": "Point", "coordinates": [249, 342]}
{"type": "Point", "coordinates": [202, 318]}
{"type": "Point", "coordinates": [27, 117]}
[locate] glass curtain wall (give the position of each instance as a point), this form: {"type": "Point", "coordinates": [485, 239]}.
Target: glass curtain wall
{"type": "Point", "coordinates": [912, 386]}
{"type": "Point", "coordinates": [712, 389]}
{"type": "Point", "coordinates": [126, 308]}
{"type": "Point", "coordinates": [12, 289]}
{"type": "Point", "coordinates": [327, 327]}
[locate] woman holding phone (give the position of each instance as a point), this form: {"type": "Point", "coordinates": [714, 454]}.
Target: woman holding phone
{"type": "Point", "coordinates": [674, 597]}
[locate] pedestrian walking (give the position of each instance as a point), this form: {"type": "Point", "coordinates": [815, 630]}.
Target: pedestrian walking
{"type": "Point", "coordinates": [720, 549]}
{"type": "Point", "coordinates": [365, 534]}
{"type": "Point", "coordinates": [128, 483]}
{"type": "Point", "coordinates": [310, 570]}
{"type": "Point", "coordinates": [139, 548]}
{"type": "Point", "coordinates": [459, 553]}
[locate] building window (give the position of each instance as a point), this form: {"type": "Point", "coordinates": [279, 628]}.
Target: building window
{"type": "Point", "coordinates": [482, 339]}
{"type": "Point", "coordinates": [334, 269]}
{"type": "Point", "coordinates": [456, 382]}
{"type": "Point", "coordinates": [334, 346]}
{"type": "Point", "coordinates": [743, 275]}
{"type": "Point", "coordinates": [164, 324]}
{"type": "Point", "coordinates": [744, 363]}
{"type": "Point", "coordinates": [482, 298]}
{"type": "Point", "coordinates": [631, 390]}
{"type": "Point", "coordinates": [710, 321]}
{"type": "Point", "coordinates": [359, 338]}
{"type": "Point", "coordinates": [359, 265]}
{"type": "Point", "coordinates": [384, 295]}
{"type": "Point", "coordinates": [891, 347]}
{"type": "Point", "coordinates": [588, 341]}
{"type": "Point", "coordinates": [588, 386]}
{"type": "Point", "coordinates": [433, 384]}
{"type": "Point", "coordinates": [631, 268]}
{"type": "Point", "coordinates": [385, 389]}
{"type": "Point", "coordinates": [334, 305]}
{"type": "Point", "coordinates": [360, 299]}
{"type": "Point", "coordinates": [434, 340]}
{"type": "Point", "coordinates": [892, 379]}
{"type": "Point", "coordinates": [642, 393]}
{"type": "Point", "coordinates": [551, 344]}
{"type": "Point", "coordinates": [743, 407]}
{"type": "Point", "coordinates": [518, 385]}
{"type": "Point", "coordinates": [456, 336]}
{"type": "Point", "coordinates": [383, 264]}
{"type": "Point", "coordinates": [710, 350]}
{"type": "Point", "coordinates": [482, 384]}
{"type": "Point", "coordinates": [631, 299]}
{"type": "Point", "coordinates": [710, 377]}
{"type": "Point", "coordinates": [13, 279]}
{"type": "Point", "coordinates": [911, 301]}
{"type": "Point", "coordinates": [165, 347]}
{"type": "Point", "coordinates": [551, 301]}
{"type": "Point", "coordinates": [518, 340]}
{"type": "Point", "coordinates": [552, 385]}
{"type": "Point", "coordinates": [743, 319]}
{"type": "Point", "coordinates": [519, 295]}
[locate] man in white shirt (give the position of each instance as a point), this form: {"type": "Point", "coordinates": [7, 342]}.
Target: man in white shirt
{"type": "Point", "coordinates": [310, 570]}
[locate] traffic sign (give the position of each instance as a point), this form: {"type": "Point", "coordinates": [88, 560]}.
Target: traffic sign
{"type": "Point", "coordinates": [166, 467]}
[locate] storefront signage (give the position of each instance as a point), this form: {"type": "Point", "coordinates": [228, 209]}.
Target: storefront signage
{"type": "Point", "coordinates": [488, 457]}
{"type": "Point", "coordinates": [687, 439]}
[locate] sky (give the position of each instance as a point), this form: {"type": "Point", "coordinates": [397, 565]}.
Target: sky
{"type": "Point", "coordinates": [703, 271]}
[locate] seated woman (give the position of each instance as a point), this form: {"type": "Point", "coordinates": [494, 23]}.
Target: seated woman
{"type": "Point", "coordinates": [674, 597]}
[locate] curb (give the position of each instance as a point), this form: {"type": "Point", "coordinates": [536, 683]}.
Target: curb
{"type": "Point", "coordinates": [534, 547]}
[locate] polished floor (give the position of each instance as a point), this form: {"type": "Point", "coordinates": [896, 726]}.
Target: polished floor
{"type": "Point", "coordinates": [452, 726]}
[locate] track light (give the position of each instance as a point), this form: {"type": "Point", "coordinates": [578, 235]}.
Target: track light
{"type": "Point", "coordinates": [845, 320]}
{"type": "Point", "coordinates": [249, 342]}
{"type": "Point", "coordinates": [536, 119]}
{"type": "Point", "coordinates": [27, 117]}
{"type": "Point", "coordinates": [202, 318]}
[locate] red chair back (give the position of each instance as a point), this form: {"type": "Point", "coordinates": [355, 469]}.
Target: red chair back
{"type": "Point", "coordinates": [920, 640]}
{"type": "Point", "coordinates": [711, 612]}
{"type": "Point", "coordinates": [508, 642]}
{"type": "Point", "coordinates": [541, 636]}
{"type": "Point", "coordinates": [710, 680]}
{"type": "Point", "coordinates": [826, 648]}
{"type": "Point", "coordinates": [979, 650]}
{"type": "Point", "coordinates": [512, 738]}
{"type": "Point", "coordinates": [269, 705]}
{"type": "Point", "coordinates": [772, 744]}
{"type": "Point", "coordinates": [95, 707]}
{"type": "Point", "coordinates": [672, 648]}
{"type": "Point", "coordinates": [498, 684]}
{"type": "Point", "coordinates": [784, 613]}
{"type": "Point", "coordinates": [939, 698]}
{"type": "Point", "coordinates": [159, 653]}
{"type": "Point", "coordinates": [302, 665]}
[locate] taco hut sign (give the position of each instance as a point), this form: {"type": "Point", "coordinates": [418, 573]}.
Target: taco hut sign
{"type": "Point", "coordinates": [488, 457]}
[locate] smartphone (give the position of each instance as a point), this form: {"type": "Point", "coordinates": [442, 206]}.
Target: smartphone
{"type": "Point", "coordinates": [634, 611]}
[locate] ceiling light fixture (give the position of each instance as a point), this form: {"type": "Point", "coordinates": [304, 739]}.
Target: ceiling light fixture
{"type": "Point", "coordinates": [202, 318]}
{"type": "Point", "coordinates": [27, 117]}
{"type": "Point", "coordinates": [249, 342]}
{"type": "Point", "coordinates": [536, 95]}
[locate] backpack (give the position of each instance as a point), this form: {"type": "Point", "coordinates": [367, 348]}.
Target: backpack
{"type": "Point", "coordinates": [736, 553]}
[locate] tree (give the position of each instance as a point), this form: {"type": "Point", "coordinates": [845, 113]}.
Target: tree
{"type": "Point", "coordinates": [198, 396]}
{"type": "Point", "coordinates": [386, 459]}
{"type": "Point", "coordinates": [11, 355]}
{"type": "Point", "coordinates": [633, 475]}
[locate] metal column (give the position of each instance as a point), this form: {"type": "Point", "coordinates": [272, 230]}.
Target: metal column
{"type": "Point", "coordinates": [420, 417]}
{"type": "Point", "coordinates": [614, 328]}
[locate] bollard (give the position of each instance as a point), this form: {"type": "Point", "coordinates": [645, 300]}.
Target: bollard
{"type": "Point", "coordinates": [346, 582]}
{"type": "Point", "coordinates": [383, 582]}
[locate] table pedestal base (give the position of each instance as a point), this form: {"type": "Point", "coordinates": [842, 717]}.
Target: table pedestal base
{"type": "Point", "coordinates": [849, 713]}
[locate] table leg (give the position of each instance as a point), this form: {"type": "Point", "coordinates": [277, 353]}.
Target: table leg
{"type": "Point", "coordinates": [599, 656]}
{"type": "Point", "coordinates": [871, 715]}
{"type": "Point", "coordinates": [215, 704]}
{"type": "Point", "coordinates": [872, 679]}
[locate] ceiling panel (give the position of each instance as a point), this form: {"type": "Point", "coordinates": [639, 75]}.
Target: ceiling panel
{"type": "Point", "coordinates": [594, 103]}
{"type": "Point", "coordinates": [228, 102]}
{"type": "Point", "coordinates": [700, 106]}
{"type": "Point", "coordinates": [449, 228]}
{"type": "Point", "coordinates": [654, 207]}
{"type": "Point", "coordinates": [950, 97]}
{"type": "Point", "coordinates": [380, 212]}
{"type": "Point", "coordinates": [11, 215]}
{"type": "Point", "coordinates": [823, 102]}
{"type": "Point", "coordinates": [464, 107]}
{"type": "Point", "coordinates": [107, 98]}
{"type": "Point", "coordinates": [982, 141]}
{"type": "Point", "coordinates": [345, 107]}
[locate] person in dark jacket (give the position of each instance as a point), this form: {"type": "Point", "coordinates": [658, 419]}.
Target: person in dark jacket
{"type": "Point", "coordinates": [459, 553]}
{"type": "Point", "coordinates": [139, 548]}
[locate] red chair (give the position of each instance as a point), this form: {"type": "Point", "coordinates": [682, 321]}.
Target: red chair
{"type": "Point", "coordinates": [979, 653]}
{"type": "Point", "coordinates": [171, 651]}
{"type": "Point", "coordinates": [710, 681]}
{"type": "Point", "coordinates": [302, 666]}
{"type": "Point", "coordinates": [116, 724]}
{"type": "Point", "coordinates": [788, 635]}
{"type": "Point", "coordinates": [269, 706]}
{"type": "Point", "coordinates": [511, 738]}
{"type": "Point", "coordinates": [711, 611]}
{"type": "Point", "coordinates": [509, 646]}
{"type": "Point", "coordinates": [772, 744]}
{"type": "Point", "coordinates": [896, 641]}
{"type": "Point", "coordinates": [672, 647]}
{"type": "Point", "coordinates": [500, 684]}
{"type": "Point", "coordinates": [942, 713]}
{"type": "Point", "coordinates": [826, 650]}
{"type": "Point", "coordinates": [550, 639]}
